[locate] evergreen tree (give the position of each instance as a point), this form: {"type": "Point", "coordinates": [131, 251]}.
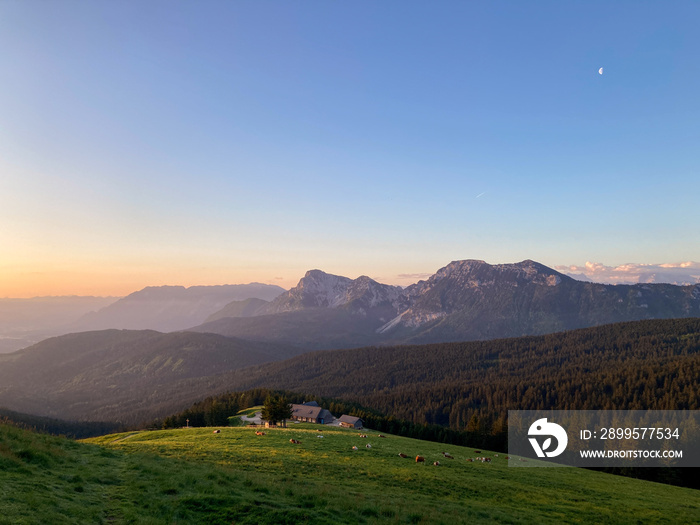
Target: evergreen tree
{"type": "Point", "coordinates": [276, 408]}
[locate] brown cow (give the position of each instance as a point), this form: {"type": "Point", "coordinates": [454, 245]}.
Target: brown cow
{"type": "Point", "coordinates": [259, 433]}
{"type": "Point", "coordinates": [436, 463]}
{"type": "Point", "coordinates": [217, 432]}
{"type": "Point", "coordinates": [448, 456]}
{"type": "Point", "coordinates": [295, 441]}
{"type": "Point", "coordinates": [402, 455]}
{"type": "Point", "coordinates": [420, 459]}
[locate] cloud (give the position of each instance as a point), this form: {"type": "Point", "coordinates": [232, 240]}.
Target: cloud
{"type": "Point", "coordinates": [682, 273]}
{"type": "Point", "coordinates": [414, 275]}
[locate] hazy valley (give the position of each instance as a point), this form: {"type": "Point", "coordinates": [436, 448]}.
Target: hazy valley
{"type": "Point", "coordinates": [164, 308]}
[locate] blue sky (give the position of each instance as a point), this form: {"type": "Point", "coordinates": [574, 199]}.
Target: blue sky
{"type": "Point", "coordinates": [146, 143]}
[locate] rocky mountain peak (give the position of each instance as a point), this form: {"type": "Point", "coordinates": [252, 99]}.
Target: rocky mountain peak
{"type": "Point", "coordinates": [315, 289]}
{"type": "Point", "coordinates": [318, 289]}
{"type": "Point", "coordinates": [371, 293]}
{"type": "Point", "coordinates": [471, 273]}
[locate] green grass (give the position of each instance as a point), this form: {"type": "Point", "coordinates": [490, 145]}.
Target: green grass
{"type": "Point", "coordinates": [249, 411]}
{"type": "Point", "coordinates": [195, 476]}
{"type": "Point", "coordinates": [236, 421]}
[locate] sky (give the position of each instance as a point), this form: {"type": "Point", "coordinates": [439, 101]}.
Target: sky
{"type": "Point", "coordinates": [215, 142]}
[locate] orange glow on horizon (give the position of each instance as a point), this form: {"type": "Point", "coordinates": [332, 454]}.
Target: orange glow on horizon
{"type": "Point", "coordinates": [27, 284]}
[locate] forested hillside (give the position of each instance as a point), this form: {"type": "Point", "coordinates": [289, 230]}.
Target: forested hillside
{"type": "Point", "coordinates": [639, 365]}
{"type": "Point", "coordinates": [126, 376]}
{"type": "Point", "coordinates": [460, 392]}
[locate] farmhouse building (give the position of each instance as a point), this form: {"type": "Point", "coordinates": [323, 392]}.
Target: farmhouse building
{"type": "Point", "coordinates": [311, 414]}
{"type": "Point", "coordinates": [350, 421]}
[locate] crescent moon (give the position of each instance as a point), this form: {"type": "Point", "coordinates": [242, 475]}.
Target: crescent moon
{"type": "Point", "coordinates": [600, 71]}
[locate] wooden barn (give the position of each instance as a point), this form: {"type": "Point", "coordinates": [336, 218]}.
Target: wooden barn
{"type": "Point", "coordinates": [312, 414]}
{"type": "Point", "coordinates": [350, 421]}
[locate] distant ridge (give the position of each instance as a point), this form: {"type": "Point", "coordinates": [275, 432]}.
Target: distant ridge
{"type": "Point", "coordinates": [170, 308]}
{"type": "Point", "coordinates": [125, 376]}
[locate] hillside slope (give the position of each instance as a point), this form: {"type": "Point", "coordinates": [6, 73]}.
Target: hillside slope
{"type": "Point", "coordinates": [307, 329]}
{"type": "Point", "coordinates": [638, 365]}
{"type": "Point", "coordinates": [130, 376]}
{"type": "Point", "coordinates": [323, 480]}
{"type": "Point", "coordinates": [121, 375]}
{"type": "Point", "coordinates": [195, 476]}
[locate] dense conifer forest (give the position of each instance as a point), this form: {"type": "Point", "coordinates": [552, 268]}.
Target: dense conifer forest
{"type": "Point", "coordinates": [639, 365]}
{"type": "Point", "coordinates": [460, 392]}
{"type": "Point", "coordinates": [58, 427]}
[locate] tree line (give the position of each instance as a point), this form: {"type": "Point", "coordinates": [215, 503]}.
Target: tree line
{"type": "Point", "coordinates": [460, 393]}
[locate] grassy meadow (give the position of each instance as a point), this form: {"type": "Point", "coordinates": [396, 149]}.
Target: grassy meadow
{"type": "Point", "coordinates": [236, 421]}
{"type": "Point", "coordinates": [196, 476]}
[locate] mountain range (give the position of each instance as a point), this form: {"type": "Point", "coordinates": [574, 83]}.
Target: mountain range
{"type": "Point", "coordinates": [170, 308]}
{"type": "Point", "coordinates": [131, 375]}
{"type": "Point", "coordinates": [465, 300]}
{"type": "Point", "coordinates": [24, 322]}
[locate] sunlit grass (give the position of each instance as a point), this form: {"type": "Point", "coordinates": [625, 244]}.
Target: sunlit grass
{"type": "Point", "coordinates": [196, 476]}
{"type": "Point", "coordinates": [374, 484]}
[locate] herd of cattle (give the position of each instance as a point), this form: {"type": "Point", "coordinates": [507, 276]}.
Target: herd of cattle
{"type": "Point", "coordinates": [419, 459]}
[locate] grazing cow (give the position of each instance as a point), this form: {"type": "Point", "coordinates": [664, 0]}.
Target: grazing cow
{"type": "Point", "coordinates": [368, 445]}
{"type": "Point", "coordinates": [354, 447]}
{"type": "Point", "coordinates": [470, 460]}
{"type": "Point", "coordinates": [436, 463]}
{"type": "Point", "coordinates": [507, 457]}
{"type": "Point", "coordinates": [217, 432]}
{"type": "Point", "coordinates": [259, 433]}
{"type": "Point", "coordinates": [381, 436]}
{"type": "Point", "coordinates": [295, 441]}
{"type": "Point", "coordinates": [477, 452]}
{"type": "Point", "coordinates": [420, 459]}
{"type": "Point", "coordinates": [448, 456]}
{"type": "Point", "coordinates": [402, 455]}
